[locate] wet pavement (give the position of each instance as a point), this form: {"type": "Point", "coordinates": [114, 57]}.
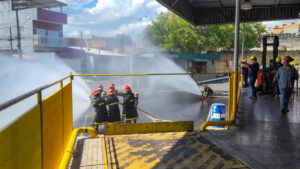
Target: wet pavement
{"type": "Point", "coordinates": [264, 138]}
{"type": "Point", "coordinates": [170, 106]}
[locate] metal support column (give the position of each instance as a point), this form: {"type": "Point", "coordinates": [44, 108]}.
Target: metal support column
{"type": "Point", "coordinates": [243, 41]}
{"type": "Point", "coordinates": [236, 35]}
{"type": "Point", "coordinates": [236, 52]}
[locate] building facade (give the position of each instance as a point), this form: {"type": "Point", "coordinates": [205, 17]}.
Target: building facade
{"type": "Point", "coordinates": [41, 29]}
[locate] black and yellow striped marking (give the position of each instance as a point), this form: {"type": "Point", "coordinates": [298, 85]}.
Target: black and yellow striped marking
{"type": "Point", "coordinates": [180, 150]}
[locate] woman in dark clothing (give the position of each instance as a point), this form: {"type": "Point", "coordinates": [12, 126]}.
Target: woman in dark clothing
{"type": "Point", "coordinates": [113, 107]}
{"type": "Point", "coordinates": [101, 114]}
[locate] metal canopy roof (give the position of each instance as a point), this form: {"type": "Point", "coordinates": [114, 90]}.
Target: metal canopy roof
{"type": "Point", "coordinates": [24, 4]}
{"type": "Point", "coordinates": [47, 3]}
{"type": "Point", "coordinates": [207, 12]}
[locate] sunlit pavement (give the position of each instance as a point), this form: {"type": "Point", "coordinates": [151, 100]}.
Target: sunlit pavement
{"type": "Point", "coordinates": [173, 150]}
{"type": "Point", "coordinates": [265, 137]}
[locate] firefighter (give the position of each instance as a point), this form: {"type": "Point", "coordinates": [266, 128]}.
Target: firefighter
{"type": "Point", "coordinates": [101, 114]}
{"type": "Point", "coordinates": [129, 105]}
{"type": "Point", "coordinates": [207, 91]}
{"type": "Point", "coordinates": [113, 107]}
{"type": "Point", "coordinates": [100, 88]}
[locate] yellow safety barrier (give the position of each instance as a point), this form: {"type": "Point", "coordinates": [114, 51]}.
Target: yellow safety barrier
{"type": "Point", "coordinates": [53, 130]}
{"type": "Point", "coordinates": [138, 128]}
{"type": "Point", "coordinates": [20, 142]}
{"type": "Point", "coordinates": [39, 138]}
{"type": "Point", "coordinates": [68, 112]}
{"type": "Point", "coordinates": [69, 151]}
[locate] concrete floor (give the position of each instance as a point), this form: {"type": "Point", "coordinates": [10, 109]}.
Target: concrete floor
{"type": "Point", "coordinates": [265, 138]}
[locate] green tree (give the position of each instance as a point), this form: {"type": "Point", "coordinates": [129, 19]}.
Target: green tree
{"type": "Point", "coordinates": [175, 34]}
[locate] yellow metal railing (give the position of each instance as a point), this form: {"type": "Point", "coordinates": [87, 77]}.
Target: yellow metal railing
{"type": "Point", "coordinates": [43, 137]}
{"type": "Point", "coordinates": [233, 102]}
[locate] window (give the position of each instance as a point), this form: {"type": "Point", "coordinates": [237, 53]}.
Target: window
{"type": "Point", "coordinates": [41, 32]}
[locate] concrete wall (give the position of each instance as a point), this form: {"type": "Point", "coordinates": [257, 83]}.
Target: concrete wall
{"type": "Point", "coordinates": [8, 19]}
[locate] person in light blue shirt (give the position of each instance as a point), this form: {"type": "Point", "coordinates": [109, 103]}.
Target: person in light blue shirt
{"type": "Point", "coordinates": [284, 77]}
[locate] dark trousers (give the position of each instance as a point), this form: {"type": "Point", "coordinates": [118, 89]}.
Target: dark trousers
{"type": "Point", "coordinates": [285, 94]}
{"type": "Point", "coordinates": [245, 78]}
{"type": "Point", "coordinates": [252, 84]}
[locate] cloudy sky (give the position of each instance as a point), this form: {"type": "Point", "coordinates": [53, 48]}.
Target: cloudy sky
{"type": "Point", "coordinates": [110, 17]}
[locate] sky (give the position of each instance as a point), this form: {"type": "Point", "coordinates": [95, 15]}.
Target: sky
{"type": "Point", "coordinates": [110, 17]}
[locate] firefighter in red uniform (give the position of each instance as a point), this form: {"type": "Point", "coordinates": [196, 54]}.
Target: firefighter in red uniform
{"type": "Point", "coordinates": [207, 91]}
{"type": "Point", "coordinates": [129, 105]}
{"type": "Point", "coordinates": [113, 107]}
{"type": "Point", "coordinates": [101, 114]}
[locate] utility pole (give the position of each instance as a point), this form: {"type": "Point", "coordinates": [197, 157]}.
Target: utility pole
{"type": "Point", "coordinates": [81, 43]}
{"type": "Point", "coordinates": [243, 41]}
{"type": "Point", "coordinates": [19, 35]}
{"type": "Point", "coordinates": [83, 57]}
{"type": "Point", "coordinates": [10, 40]}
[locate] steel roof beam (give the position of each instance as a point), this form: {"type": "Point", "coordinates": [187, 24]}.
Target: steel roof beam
{"type": "Point", "coordinates": [256, 14]}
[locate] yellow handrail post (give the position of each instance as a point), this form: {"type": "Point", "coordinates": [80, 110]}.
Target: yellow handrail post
{"type": "Point", "coordinates": [229, 98]}
{"type": "Point", "coordinates": [234, 96]}
{"type": "Point", "coordinates": [70, 147]}
{"type": "Point", "coordinates": [242, 80]}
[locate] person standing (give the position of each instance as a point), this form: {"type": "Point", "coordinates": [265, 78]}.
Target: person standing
{"type": "Point", "coordinates": [245, 70]}
{"type": "Point", "coordinates": [113, 107]}
{"type": "Point", "coordinates": [276, 66]}
{"type": "Point", "coordinates": [101, 114]}
{"type": "Point", "coordinates": [253, 71]}
{"type": "Point", "coordinates": [129, 105]}
{"type": "Point", "coordinates": [284, 79]}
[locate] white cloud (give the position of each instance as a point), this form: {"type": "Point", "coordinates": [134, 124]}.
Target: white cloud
{"type": "Point", "coordinates": [161, 9]}
{"type": "Point", "coordinates": [115, 9]}
{"type": "Point", "coordinates": [110, 17]}
{"type": "Point", "coordinates": [152, 4]}
{"type": "Point", "coordinates": [132, 28]}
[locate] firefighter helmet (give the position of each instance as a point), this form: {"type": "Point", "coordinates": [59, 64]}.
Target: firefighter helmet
{"type": "Point", "coordinates": [111, 85]}
{"type": "Point", "coordinates": [95, 92]}
{"type": "Point", "coordinates": [126, 87]}
{"type": "Point", "coordinates": [204, 85]}
{"type": "Point", "coordinates": [100, 86]}
{"type": "Point", "coordinates": [111, 91]}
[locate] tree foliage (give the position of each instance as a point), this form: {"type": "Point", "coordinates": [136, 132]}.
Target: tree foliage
{"type": "Point", "coordinates": [175, 34]}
